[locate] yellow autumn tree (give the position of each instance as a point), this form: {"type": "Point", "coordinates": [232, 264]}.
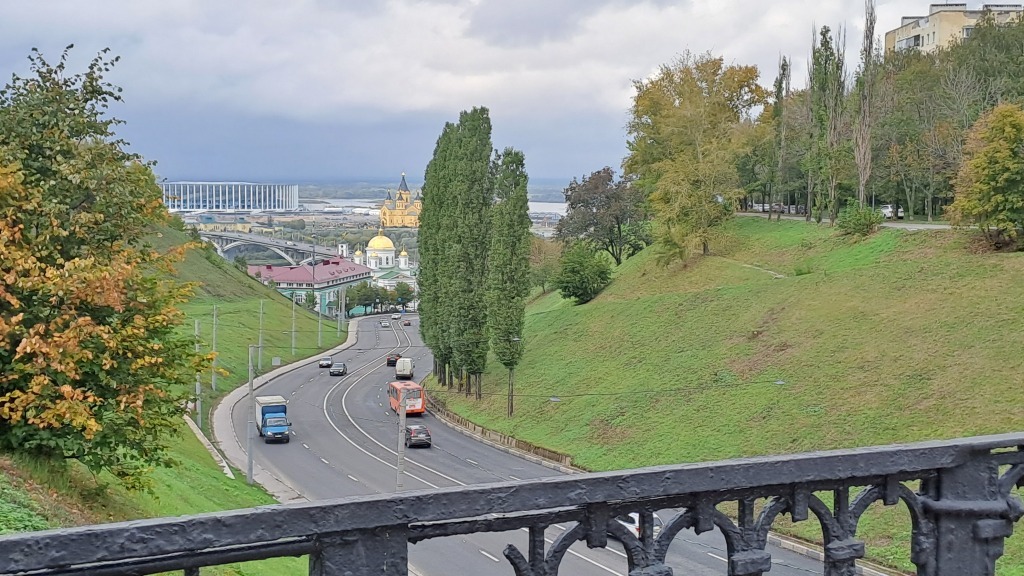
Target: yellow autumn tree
{"type": "Point", "coordinates": [93, 367]}
{"type": "Point", "coordinates": [684, 145]}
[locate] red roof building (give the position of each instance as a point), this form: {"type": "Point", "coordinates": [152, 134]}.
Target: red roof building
{"type": "Point", "coordinates": [326, 279]}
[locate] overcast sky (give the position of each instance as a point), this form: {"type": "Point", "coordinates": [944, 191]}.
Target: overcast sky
{"type": "Point", "coordinates": [331, 90]}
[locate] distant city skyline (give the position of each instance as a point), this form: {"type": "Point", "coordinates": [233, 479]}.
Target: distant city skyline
{"type": "Point", "coordinates": [307, 90]}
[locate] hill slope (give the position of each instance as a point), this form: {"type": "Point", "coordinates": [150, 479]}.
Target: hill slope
{"type": "Point", "coordinates": [898, 337]}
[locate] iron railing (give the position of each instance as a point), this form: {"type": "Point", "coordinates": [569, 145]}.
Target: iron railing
{"type": "Point", "coordinates": [959, 494]}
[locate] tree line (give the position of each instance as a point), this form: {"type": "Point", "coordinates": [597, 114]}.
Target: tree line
{"type": "Point", "coordinates": [474, 241]}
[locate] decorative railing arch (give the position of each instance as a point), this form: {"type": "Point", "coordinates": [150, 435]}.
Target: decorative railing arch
{"type": "Point", "coordinates": [961, 512]}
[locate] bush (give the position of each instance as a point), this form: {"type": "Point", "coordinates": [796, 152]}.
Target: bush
{"type": "Point", "coordinates": [859, 220]}
{"type": "Point", "coordinates": [584, 274]}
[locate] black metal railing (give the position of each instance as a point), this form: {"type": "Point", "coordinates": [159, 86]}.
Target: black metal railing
{"type": "Point", "coordinates": [962, 507]}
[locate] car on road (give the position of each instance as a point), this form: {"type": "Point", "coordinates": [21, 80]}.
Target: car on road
{"type": "Point", "coordinates": [326, 362]}
{"type": "Point", "coordinates": [406, 323]}
{"type": "Point", "coordinates": [393, 358]}
{"type": "Point", "coordinates": [632, 522]}
{"type": "Point", "coordinates": [396, 316]}
{"type": "Point", "coordinates": [890, 211]}
{"type": "Point", "coordinates": [385, 324]}
{"type": "Point", "coordinates": [338, 369]}
{"type": "Point", "coordinates": [417, 435]}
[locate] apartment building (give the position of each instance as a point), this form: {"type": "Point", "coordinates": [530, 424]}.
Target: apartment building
{"type": "Point", "coordinates": [944, 24]}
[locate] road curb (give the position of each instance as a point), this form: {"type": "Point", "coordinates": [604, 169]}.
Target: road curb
{"type": "Point", "coordinates": [784, 542]}
{"type": "Point", "coordinates": [229, 443]}
{"type": "Point", "coordinates": [210, 448]}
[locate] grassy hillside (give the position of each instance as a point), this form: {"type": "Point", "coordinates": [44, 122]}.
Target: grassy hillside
{"type": "Point", "coordinates": [898, 337]}
{"type": "Point", "coordinates": [37, 495]}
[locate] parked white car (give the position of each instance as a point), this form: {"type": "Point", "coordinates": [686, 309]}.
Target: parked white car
{"type": "Point", "coordinates": [889, 211]}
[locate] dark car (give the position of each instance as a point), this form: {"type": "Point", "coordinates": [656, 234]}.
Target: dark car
{"type": "Point", "coordinates": [338, 369]}
{"type": "Point", "coordinates": [417, 435]}
{"type": "Point", "coordinates": [393, 358]}
{"type": "Point", "coordinates": [406, 323]}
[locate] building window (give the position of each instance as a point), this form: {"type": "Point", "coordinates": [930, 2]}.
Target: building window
{"type": "Point", "coordinates": [968, 30]}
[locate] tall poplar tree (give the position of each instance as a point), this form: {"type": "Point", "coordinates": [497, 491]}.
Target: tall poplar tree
{"type": "Point", "coordinates": [828, 97]}
{"type": "Point", "coordinates": [865, 98]}
{"type": "Point", "coordinates": [508, 278]}
{"type": "Point", "coordinates": [472, 191]}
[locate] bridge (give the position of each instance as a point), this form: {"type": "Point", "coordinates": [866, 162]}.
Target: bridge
{"type": "Point", "coordinates": [295, 253]}
{"type": "Point", "coordinates": [958, 495]}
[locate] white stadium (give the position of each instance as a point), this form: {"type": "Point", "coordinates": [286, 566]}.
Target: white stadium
{"type": "Point", "coordinates": [230, 197]}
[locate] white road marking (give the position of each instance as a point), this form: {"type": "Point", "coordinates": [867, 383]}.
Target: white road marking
{"type": "Point", "coordinates": [514, 478]}
{"type": "Point", "coordinates": [325, 461]}
{"type": "Point", "coordinates": [471, 462]}
{"type": "Point", "coordinates": [306, 446]}
{"type": "Point", "coordinates": [717, 557]}
{"type": "Point", "coordinates": [353, 478]}
{"type": "Point", "coordinates": [559, 526]}
{"type": "Point", "coordinates": [489, 556]}
{"type": "Point", "coordinates": [584, 558]}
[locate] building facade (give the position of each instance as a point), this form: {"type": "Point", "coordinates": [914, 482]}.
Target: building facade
{"type": "Point", "coordinates": [944, 25]}
{"type": "Point", "coordinates": [326, 281]}
{"type": "Point", "coordinates": [229, 197]}
{"type": "Point", "coordinates": [402, 211]}
{"type": "Point", "coordinates": [388, 270]}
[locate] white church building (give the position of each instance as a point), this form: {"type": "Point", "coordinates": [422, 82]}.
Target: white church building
{"type": "Point", "coordinates": [388, 270]}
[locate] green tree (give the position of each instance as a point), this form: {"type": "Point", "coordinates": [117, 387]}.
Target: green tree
{"type": "Point", "coordinates": [508, 278]}
{"type": "Point", "coordinates": [684, 148]}
{"type": "Point", "coordinates": [94, 367]}
{"type": "Point", "coordinates": [990, 185]}
{"type": "Point", "coordinates": [828, 97]}
{"type": "Point", "coordinates": [404, 294]}
{"type": "Point", "coordinates": [865, 84]}
{"type": "Point", "coordinates": [545, 257]}
{"type": "Point", "coordinates": [472, 189]}
{"type": "Point", "coordinates": [584, 273]}
{"type": "Point", "coordinates": [608, 213]}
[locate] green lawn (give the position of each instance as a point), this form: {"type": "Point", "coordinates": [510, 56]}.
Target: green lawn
{"type": "Point", "coordinates": [902, 336]}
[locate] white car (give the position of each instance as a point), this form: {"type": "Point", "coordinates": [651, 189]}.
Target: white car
{"type": "Point", "coordinates": [888, 211]}
{"type": "Point", "coordinates": [632, 522]}
{"type": "Point", "coordinates": [326, 362]}
{"type": "Point", "coordinates": [396, 316]}
{"type": "Point", "coordinates": [385, 324]}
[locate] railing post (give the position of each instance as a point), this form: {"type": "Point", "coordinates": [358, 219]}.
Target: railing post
{"type": "Point", "coordinates": [381, 551]}
{"type": "Point", "coordinates": [971, 516]}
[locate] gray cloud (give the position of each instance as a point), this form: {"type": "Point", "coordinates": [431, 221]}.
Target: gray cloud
{"type": "Point", "coordinates": [335, 87]}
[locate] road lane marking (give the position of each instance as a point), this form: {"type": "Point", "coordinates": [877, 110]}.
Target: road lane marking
{"type": "Point", "coordinates": [353, 478]}
{"type": "Point", "coordinates": [717, 557]}
{"type": "Point", "coordinates": [306, 446]}
{"type": "Point", "coordinates": [559, 526]}
{"type": "Point", "coordinates": [582, 557]}
{"type": "Point", "coordinates": [325, 461]}
{"type": "Point", "coordinates": [489, 556]}
{"type": "Point", "coordinates": [471, 462]}
{"type": "Point", "coordinates": [514, 478]}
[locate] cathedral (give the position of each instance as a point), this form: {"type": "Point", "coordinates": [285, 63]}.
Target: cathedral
{"type": "Point", "coordinates": [387, 270]}
{"type": "Point", "coordinates": [402, 211]}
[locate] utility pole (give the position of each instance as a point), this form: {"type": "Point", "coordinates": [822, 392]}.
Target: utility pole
{"type": "Point", "coordinates": [401, 439]}
{"type": "Point", "coordinates": [252, 420]}
{"type": "Point", "coordinates": [342, 309]}
{"type": "Point", "coordinates": [316, 299]}
{"type": "Point", "coordinates": [293, 324]}
{"type": "Point", "coordinates": [259, 359]}
{"type": "Point", "coordinates": [213, 373]}
{"type": "Point", "coordinates": [199, 386]}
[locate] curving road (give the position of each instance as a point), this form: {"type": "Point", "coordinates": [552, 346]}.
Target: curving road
{"type": "Point", "coordinates": [345, 441]}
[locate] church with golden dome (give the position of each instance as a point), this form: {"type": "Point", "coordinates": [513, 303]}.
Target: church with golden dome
{"type": "Point", "coordinates": [402, 211]}
{"type": "Point", "coordinates": [387, 270]}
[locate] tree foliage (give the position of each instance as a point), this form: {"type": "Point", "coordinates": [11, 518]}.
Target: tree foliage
{"type": "Point", "coordinates": [545, 257]}
{"type": "Point", "coordinates": [508, 281]}
{"type": "Point", "coordinates": [610, 214]}
{"type": "Point", "coordinates": [585, 272]}
{"type": "Point", "coordinates": [94, 369]}
{"type": "Point", "coordinates": [683, 147]}
{"type": "Point", "coordinates": [990, 185]}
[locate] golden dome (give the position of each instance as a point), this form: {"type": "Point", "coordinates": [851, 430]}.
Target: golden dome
{"type": "Point", "coordinates": [404, 253]}
{"type": "Point", "coordinates": [380, 241]}
{"type": "Point", "coordinates": [359, 252]}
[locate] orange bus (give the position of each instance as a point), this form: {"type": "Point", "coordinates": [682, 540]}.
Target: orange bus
{"type": "Point", "coordinates": [414, 402]}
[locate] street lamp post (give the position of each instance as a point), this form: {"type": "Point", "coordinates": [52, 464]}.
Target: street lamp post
{"type": "Point", "coordinates": [316, 300]}
{"type": "Point", "coordinates": [293, 323]}
{"type": "Point", "coordinates": [252, 418]}
{"type": "Point", "coordinates": [401, 440]}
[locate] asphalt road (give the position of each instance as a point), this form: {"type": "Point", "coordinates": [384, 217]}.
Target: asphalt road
{"type": "Point", "coordinates": [345, 444]}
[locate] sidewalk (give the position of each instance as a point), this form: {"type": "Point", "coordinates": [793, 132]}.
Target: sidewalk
{"type": "Point", "coordinates": [233, 447]}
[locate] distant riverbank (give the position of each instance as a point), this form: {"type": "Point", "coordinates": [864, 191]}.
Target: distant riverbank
{"type": "Point", "coordinates": [542, 207]}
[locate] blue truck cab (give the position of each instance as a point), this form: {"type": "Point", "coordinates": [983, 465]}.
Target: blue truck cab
{"type": "Point", "coordinates": [272, 419]}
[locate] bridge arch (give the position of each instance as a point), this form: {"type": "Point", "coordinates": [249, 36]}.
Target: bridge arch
{"type": "Point", "coordinates": [272, 248]}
